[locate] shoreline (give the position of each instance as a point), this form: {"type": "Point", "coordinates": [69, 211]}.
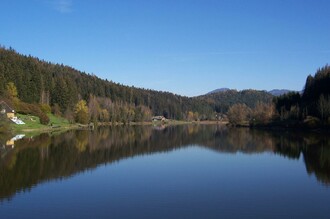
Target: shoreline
{"type": "Point", "coordinates": [59, 128]}
{"type": "Point", "coordinates": [62, 128]}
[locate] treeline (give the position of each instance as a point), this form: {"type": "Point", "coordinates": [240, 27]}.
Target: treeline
{"type": "Point", "coordinates": [243, 108]}
{"type": "Point", "coordinates": [309, 109]}
{"type": "Point", "coordinates": [312, 107]}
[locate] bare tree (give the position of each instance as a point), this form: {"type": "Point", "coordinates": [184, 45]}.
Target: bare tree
{"type": "Point", "coordinates": [238, 114]}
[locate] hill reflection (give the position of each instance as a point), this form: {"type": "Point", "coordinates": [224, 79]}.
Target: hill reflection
{"type": "Point", "coordinates": [44, 158]}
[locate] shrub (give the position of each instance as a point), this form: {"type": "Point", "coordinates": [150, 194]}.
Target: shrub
{"type": "Point", "coordinates": [44, 119]}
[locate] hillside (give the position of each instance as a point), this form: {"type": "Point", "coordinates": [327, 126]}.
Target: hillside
{"type": "Point", "coordinates": [61, 87]}
{"type": "Point", "coordinates": [222, 101]}
{"type": "Point", "coordinates": [39, 81]}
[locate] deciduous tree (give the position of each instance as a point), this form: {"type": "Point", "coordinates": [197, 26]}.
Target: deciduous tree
{"type": "Point", "coordinates": [238, 114]}
{"type": "Point", "coordinates": [81, 112]}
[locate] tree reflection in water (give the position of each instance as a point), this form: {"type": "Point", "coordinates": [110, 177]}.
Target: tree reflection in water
{"type": "Point", "coordinates": [45, 157]}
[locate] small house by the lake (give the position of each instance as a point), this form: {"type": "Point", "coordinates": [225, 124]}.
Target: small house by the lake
{"type": "Point", "coordinates": [5, 109]}
{"type": "Point", "coordinates": [158, 119]}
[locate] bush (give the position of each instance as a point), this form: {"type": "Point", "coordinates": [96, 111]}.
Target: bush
{"type": "Point", "coordinates": [44, 119]}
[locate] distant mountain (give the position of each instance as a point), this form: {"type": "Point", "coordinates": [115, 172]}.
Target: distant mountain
{"type": "Point", "coordinates": [218, 90]}
{"type": "Point", "coordinates": [279, 92]}
{"type": "Point", "coordinates": [274, 92]}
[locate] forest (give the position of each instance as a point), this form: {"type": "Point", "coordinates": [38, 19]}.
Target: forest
{"type": "Point", "coordinates": [34, 86]}
{"type": "Point", "coordinates": [37, 87]}
{"type": "Point", "coordinates": [311, 108]}
{"type": "Point", "coordinates": [308, 109]}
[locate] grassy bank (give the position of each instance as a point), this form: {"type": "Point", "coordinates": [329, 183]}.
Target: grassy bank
{"type": "Point", "coordinates": [32, 124]}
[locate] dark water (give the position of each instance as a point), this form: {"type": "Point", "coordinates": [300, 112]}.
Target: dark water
{"type": "Point", "coordinates": [175, 172]}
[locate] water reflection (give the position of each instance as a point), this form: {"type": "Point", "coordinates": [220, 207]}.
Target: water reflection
{"type": "Point", "coordinates": [46, 157]}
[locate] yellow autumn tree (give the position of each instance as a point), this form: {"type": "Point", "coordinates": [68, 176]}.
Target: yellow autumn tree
{"type": "Point", "coordinates": [11, 90]}
{"type": "Point", "coordinates": [190, 116]}
{"type": "Point", "coordinates": [12, 94]}
{"type": "Point", "coordinates": [81, 112]}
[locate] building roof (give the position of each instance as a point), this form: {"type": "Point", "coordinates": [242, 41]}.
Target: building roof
{"type": "Point", "coordinates": [5, 106]}
{"type": "Point", "coordinates": [158, 118]}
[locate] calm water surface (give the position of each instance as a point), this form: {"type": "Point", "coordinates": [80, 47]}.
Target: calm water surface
{"type": "Point", "coordinates": [174, 172]}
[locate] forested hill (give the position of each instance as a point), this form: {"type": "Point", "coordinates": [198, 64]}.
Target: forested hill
{"type": "Point", "coordinates": [61, 87]}
{"type": "Point", "coordinates": [39, 81]}
{"type": "Point", "coordinates": [223, 100]}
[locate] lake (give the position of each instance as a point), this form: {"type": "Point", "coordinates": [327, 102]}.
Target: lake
{"type": "Point", "coordinates": [195, 171]}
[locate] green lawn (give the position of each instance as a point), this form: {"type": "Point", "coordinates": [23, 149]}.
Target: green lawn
{"type": "Point", "coordinates": [58, 121]}
{"type": "Point", "coordinates": [33, 123]}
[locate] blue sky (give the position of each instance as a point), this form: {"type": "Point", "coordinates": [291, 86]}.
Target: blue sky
{"type": "Point", "coordinates": [188, 47]}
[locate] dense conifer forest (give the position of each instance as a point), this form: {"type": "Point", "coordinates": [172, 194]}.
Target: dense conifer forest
{"type": "Point", "coordinates": [84, 97]}
{"type": "Point", "coordinates": [312, 106]}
